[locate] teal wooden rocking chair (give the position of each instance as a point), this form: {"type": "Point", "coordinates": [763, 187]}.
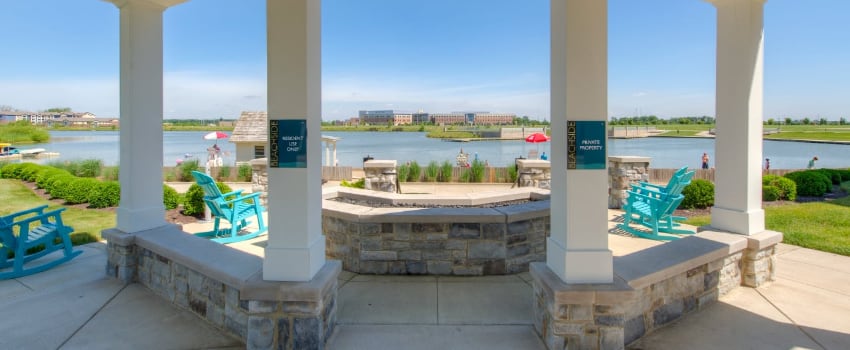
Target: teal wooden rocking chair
{"type": "Point", "coordinates": [652, 206]}
{"type": "Point", "coordinates": [234, 207]}
{"type": "Point", "coordinates": [22, 231]}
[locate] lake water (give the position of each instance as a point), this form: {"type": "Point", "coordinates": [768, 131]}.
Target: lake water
{"type": "Point", "coordinates": [409, 146]}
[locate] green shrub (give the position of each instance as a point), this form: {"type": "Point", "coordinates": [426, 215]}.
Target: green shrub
{"type": "Point", "coordinates": [224, 173]}
{"type": "Point", "coordinates": [810, 182]}
{"type": "Point", "coordinates": [769, 193]}
{"type": "Point", "coordinates": [193, 203]}
{"type": "Point", "coordinates": [356, 184]}
{"type": "Point", "coordinates": [106, 194]}
{"type": "Point", "coordinates": [46, 176]}
{"type": "Point", "coordinates": [845, 174]}
{"type": "Point", "coordinates": [832, 174]}
{"type": "Point", "coordinates": [170, 197]}
{"type": "Point", "coordinates": [698, 194]}
{"type": "Point", "coordinates": [110, 173]}
{"type": "Point", "coordinates": [476, 171]}
{"type": "Point", "coordinates": [415, 172]}
{"type": "Point", "coordinates": [7, 169]}
{"type": "Point", "coordinates": [89, 168]}
{"type": "Point", "coordinates": [29, 171]}
{"type": "Point", "coordinates": [787, 187]}
{"type": "Point", "coordinates": [186, 168]}
{"type": "Point", "coordinates": [14, 170]}
{"type": "Point", "coordinates": [79, 189]}
{"type": "Point", "coordinates": [466, 175]}
{"type": "Point", "coordinates": [58, 187]}
{"type": "Point", "coordinates": [512, 173]}
{"type": "Point", "coordinates": [432, 171]}
{"type": "Point", "coordinates": [245, 172]}
{"type": "Point", "coordinates": [403, 172]}
{"type": "Point", "coordinates": [446, 171]}
{"type": "Point", "coordinates": [194, 200]}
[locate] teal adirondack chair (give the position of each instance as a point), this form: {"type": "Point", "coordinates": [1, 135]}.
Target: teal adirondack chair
{"type": "Point", "coordinates": [677, 183]}
{"type": "Point", "coordinates": [24, 230]}
{"type": "Point", "coordinates": [653, 206]}
{"type": "Point", "coordinates": [234, 207]}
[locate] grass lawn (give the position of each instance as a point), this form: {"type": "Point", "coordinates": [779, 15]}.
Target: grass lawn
{"type": "Point", "coordinates": [87, 223]}
{"type": "Point", "coordinates": [836, 135]}
{"type": "Point", "coordinates": [823, 226]}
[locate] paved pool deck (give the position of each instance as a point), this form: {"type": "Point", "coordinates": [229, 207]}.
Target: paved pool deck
{"type": "Point", "coordinates": [75, 306]}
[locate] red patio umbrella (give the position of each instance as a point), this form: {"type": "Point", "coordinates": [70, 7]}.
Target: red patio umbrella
{"type": "Point", "coordinates": [537, 138]}
{"type": "Point", "coordinates": [215, 135]}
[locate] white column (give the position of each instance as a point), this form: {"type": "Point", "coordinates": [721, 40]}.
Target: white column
{"type": "Point", "coordinates": [296, 246]}
{"type": "Point", "coordinates": [328, 153]}
{"type": "Point", "coordinates": [738, 147]}
{"type": "Point", "coordinates": [335, 162]}
{"type": "Point", "coordinates": [577, 250]}
{"type": "Point", "coordinates": [141, 205]}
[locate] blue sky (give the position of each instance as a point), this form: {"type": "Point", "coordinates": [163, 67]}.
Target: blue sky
{"type": "Point", "coordinates": [436, 55]}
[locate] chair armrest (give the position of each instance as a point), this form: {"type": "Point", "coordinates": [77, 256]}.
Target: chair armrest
{"type": "Point", "coordinates": [255, 196]}
{"type": "Point", "coordinates": [234, 193]}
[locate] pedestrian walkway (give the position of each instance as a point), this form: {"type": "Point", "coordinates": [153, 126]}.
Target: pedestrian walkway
{"type": "Point", "coordinates": [74, 306]}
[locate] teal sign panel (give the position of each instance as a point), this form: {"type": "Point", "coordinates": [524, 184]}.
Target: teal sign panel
{"type": "Point", "coordinates": [288, 143]}
{"type": "Point", "coordinates": [586, 144]}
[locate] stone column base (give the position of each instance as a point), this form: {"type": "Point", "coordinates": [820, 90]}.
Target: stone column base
{"type": "Point", "coordinates": [224, 287]}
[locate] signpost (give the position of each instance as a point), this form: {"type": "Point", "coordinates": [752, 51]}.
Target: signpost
{"type": "Point", "coordinates": [586, 144]}
{"type": "Point", "coordinates": [288, 143]}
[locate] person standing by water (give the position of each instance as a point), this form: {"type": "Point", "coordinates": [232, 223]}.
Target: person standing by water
{"type": "Point", "coordinates": [767, 165]}
{"type": "Point", "coordinates": [812, 163]}
{"type": "Point", "coordinates": [705, 160]}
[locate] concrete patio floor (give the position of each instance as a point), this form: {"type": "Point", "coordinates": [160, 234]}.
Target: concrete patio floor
{"type": "Point", "coordinates": [74, 306]}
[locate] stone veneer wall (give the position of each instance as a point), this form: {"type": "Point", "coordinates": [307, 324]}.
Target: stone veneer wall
{"type": "Point", "coordinates": [623, 171]}
{"type": "Point", "coordinates": [265, 315]}
{"type": "Point", "coordinates": [652, 288]}
{"type": "Point", "coordinates": [465, 241]}
{"type": "Point", "coordinates": [534, 173]}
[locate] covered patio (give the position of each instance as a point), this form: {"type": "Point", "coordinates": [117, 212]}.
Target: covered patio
{"type": "Point", "coordinates": [584, 297]}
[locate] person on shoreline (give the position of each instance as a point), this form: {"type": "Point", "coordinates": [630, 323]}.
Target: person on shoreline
{"type": "Point", "coordinates": [705, 160]}
{"type": "Point", "coordinates": [812, 163]}
{"type": "Point", "coordinates": [767, 165]}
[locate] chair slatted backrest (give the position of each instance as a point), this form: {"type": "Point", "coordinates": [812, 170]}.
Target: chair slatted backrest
{"type": "Point", "coordinates": [212, 195]}
{"type": "Point", "coordinates": [683, 181]}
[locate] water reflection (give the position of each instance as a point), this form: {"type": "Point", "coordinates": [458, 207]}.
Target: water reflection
{"type": "Point", "coordinates": [410, 146]}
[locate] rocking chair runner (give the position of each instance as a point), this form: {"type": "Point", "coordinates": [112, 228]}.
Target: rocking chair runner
{"type": "Point", "coordinates": [234, 207]}
{"type": "Point", "coordinates": [27, 229]}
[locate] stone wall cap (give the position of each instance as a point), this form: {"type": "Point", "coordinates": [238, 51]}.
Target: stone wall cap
{"type": "Point", "coordinates": [661, 262]}
{"type": "Point", "coordinates": [202, 255]}
{"type": "Point", "coordinates": [629, 159]}
{"type": "Point", "coordinates": [259, 161]}
{"type": "Point", "coordinates": [533, 163]}
{"type": "Point", "coordinates": [116, 236]}
{"type": "Point", "coordinates": [312, 291]}
{"type": "Point", "coordinates": [763, 240]}
{"type": "Point", "coordinates": [379, 164]}
{"type": "Point", "coordinates": [573, 293]}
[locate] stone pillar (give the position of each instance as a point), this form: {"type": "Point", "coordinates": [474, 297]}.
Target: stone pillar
{"type": "Point", "coordinates": [260, 179]}
{"type": "Point", "coordinates": [380, 175]}
{"type": "Point", "coordinates": [622, 173]}
{"type": "Point", "coordinates": [140, 142]}
{"type": "Point", "coordinates": [577, 250]}
{"type": "Point", "coordinates": [534, 173]}
{"type": "Point", "coordinates": [296, 246]}
{"type": "Point", "coordinates": [738, 146]}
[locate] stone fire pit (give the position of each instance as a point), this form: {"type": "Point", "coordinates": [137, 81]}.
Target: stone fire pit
{"type": "Point", "coordinates": [399, 237]}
